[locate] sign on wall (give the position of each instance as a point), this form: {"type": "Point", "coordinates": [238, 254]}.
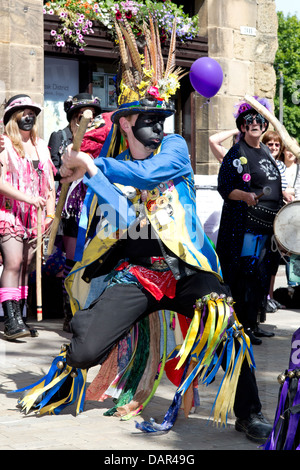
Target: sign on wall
{"type": "Point", "coordinates": [61, 80]}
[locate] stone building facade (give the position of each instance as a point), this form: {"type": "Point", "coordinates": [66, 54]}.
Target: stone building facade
{"type": "Point", "coordinates": [241, 36]}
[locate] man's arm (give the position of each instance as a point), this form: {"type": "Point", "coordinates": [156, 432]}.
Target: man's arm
{"type": "Point", "coordinates": [171, 162]}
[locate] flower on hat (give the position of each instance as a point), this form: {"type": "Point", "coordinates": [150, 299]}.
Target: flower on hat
{"type": "Point", "coordinates": [153, 90]}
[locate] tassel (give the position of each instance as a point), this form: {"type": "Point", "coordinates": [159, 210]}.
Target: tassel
{"type": "Point", "coordinates": [60, 387]}
{"type": "Point", "coordinates": [170, 416]}
{"type": "Point", "coordinates": [160, 371]}
{"type": "Point", "coordinates": [285, 434]}
{"type": "Point", "coordinates": [200, 346]}
{"type": "Point", "coordinates": [190, 338]}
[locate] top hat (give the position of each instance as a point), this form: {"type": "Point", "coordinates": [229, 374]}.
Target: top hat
{"type": "Point", "coordinates": [82, 100]}
{"type": "Point", "coordinates": [18, 102]}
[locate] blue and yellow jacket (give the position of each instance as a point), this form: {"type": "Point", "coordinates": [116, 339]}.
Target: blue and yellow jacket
{"type": "Point", "coordinates": [168, 178]}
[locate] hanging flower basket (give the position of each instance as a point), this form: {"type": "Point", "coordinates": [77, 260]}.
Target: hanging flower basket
{"type": "Point", "coordinates": [78, 18]}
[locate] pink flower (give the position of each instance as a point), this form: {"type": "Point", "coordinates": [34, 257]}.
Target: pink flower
{"type": "Point", "coordinates": [153, 90]}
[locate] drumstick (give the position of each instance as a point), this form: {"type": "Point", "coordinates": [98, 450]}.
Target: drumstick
{"type": "Point", "coordinates": [265, 192]}
{"type": "Point", "coordinates": [84, 121]}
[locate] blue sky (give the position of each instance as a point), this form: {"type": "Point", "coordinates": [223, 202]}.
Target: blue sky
{"type": "Point", "coordinates": [288, 6]}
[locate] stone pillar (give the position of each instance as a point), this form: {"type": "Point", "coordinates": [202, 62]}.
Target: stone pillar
{"type": "Point", "coordinates": [242, 37]}
{"type": "Point", "coordinates": [22, 50]}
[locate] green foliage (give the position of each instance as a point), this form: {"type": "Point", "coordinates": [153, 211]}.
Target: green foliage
{"type": "Point", "coordinates": [287, 62]}
{"type": "Point", "coordinates": [77, 18]}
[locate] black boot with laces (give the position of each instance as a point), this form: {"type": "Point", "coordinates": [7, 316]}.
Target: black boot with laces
{"type": "Point", "coordinates": [13, 324]}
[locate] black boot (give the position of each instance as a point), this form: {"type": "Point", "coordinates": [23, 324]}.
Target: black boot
{"type": "Point", "coordinates": [13, 324]}
{"type": "Point", "coordinates": [20, 312]}
{"type": "Point", "coordinates": [253, 338]}
{"type": "Point", "coordinates": [256, 427]}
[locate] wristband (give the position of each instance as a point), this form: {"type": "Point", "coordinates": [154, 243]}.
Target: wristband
{"type": "Point", "coordinates": [50, 216]}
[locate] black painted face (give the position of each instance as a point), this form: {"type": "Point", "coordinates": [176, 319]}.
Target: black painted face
{"type": "Point", "coordinates": [149, 129]}
{"type": "Point", "coordinates": [27, 121]}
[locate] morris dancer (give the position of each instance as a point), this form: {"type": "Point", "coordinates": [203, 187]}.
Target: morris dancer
{"type": "Point", "coordinates": [155, 256]}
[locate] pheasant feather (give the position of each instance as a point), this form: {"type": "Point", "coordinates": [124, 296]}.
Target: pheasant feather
{"type": "Point", "coordinates": [171, 63]}
{"type": "Point", "coordinates": [132, 49]}
{"type": "Point", "coordinates": [126, 74]}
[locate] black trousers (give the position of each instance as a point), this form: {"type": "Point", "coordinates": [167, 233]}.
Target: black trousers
{"type": "Point", "coordinates": [97, 329]}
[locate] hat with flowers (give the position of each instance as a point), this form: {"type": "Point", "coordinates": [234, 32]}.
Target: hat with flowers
{"type": "Point", "coordinates": [244, 108]}
{"type": "Point", "coordinates": [145, 83]}
{"type": "Point", "coordinates": [19, 102]}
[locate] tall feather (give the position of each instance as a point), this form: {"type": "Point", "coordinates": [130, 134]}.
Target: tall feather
{"type": "Point", "coordinates": [132, 49]}
{"type": "Point", "coordinates": [153, 49]}
{"type": "Point", "coordinates": [132, 45]}
{"type": "Point", "coordinates": [147, 47]}
{"type": "Point", "coordinates": [129, 31]}
{"type": "Point", "coordinates": [160, 60]}
{"type": "Point", "coordinates": [171, 62]}
{"type": "Point", "coordinates": [126, 74]}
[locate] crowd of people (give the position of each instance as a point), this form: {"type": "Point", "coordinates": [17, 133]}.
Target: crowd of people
{"type": "Point", "coordinates": [30, 167]}
{"type": "Point", "coordinates": [147, 251]}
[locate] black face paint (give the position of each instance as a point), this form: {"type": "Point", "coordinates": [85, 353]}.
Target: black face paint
{"type": "Point", "coordinates": [149, 129]}
{"type": "Point", "coordinates": [26, 123]}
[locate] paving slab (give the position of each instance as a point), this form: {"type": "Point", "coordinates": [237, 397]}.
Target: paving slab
{"type": "Point", "coordinates": [24, 361]}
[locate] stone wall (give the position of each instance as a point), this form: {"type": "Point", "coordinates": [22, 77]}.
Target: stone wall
{"type": "Point", "coordinates": [246, 57]}
{"type": "Point", "coordinates": [22, 50]}
{"type": "Point", "coordinates": [247, 61]}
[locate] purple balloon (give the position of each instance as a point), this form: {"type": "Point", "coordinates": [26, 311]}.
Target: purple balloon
{"type": "Point", "coordinates": [206, 76]}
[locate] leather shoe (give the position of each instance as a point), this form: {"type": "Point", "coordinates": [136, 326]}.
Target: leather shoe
{"type": "Point", "coordinates": [256, 427]}
{"type": "Point", "coordinates": [262, 333]}
{"type": "Point", "coordinates": [253, 338]}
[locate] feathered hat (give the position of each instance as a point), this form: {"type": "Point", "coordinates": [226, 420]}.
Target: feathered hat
{"type": "Point", "coordinates": [145, 83]}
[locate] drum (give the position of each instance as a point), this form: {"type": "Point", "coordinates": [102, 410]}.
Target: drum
{"type": "Point", "coordinates": [287, 228]}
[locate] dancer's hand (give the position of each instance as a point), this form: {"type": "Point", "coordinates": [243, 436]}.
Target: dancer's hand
{"type": "Point", "coordinates": [75, 165]}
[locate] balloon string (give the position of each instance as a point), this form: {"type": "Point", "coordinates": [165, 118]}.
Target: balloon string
{"type": "Point", "coordinates": [206, 103]}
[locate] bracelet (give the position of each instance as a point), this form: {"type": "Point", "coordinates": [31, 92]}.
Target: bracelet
{"type": "Point", "coordinates": [50, 216]}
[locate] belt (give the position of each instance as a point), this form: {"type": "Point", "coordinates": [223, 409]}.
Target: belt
{"type": "Point", "coordinates": [157, 263]}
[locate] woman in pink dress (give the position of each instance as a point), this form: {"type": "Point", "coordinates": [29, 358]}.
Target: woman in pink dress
{"type": "Point", "coordinates": [26, 184]}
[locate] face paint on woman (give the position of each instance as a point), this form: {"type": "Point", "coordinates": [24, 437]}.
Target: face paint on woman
{"type": "Point", "coordinates": [26, 123]}
{"type": "Point", "coordinates": [149, 130]}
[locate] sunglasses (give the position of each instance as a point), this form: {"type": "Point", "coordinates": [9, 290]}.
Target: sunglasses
{"type": "Point", "coordinates": [273, 144]}
{"type": "Point", "coordinates": [249, 118]}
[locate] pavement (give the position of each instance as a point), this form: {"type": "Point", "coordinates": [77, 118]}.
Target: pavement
{"type": "Point", "coordinates": [25, 361]}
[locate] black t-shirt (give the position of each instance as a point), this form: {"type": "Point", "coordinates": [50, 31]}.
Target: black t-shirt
{"type": "Point", "coordinates": [264, 172]}
{"type": "Point", "coordinates": [142, 242]}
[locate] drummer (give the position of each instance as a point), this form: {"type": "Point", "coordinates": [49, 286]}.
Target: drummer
{"type": "Point", "coordinates": [250, 184]}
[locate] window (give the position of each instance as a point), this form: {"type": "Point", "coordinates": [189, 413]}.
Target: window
{"type": "Point", "coordinates": [103, 86]}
